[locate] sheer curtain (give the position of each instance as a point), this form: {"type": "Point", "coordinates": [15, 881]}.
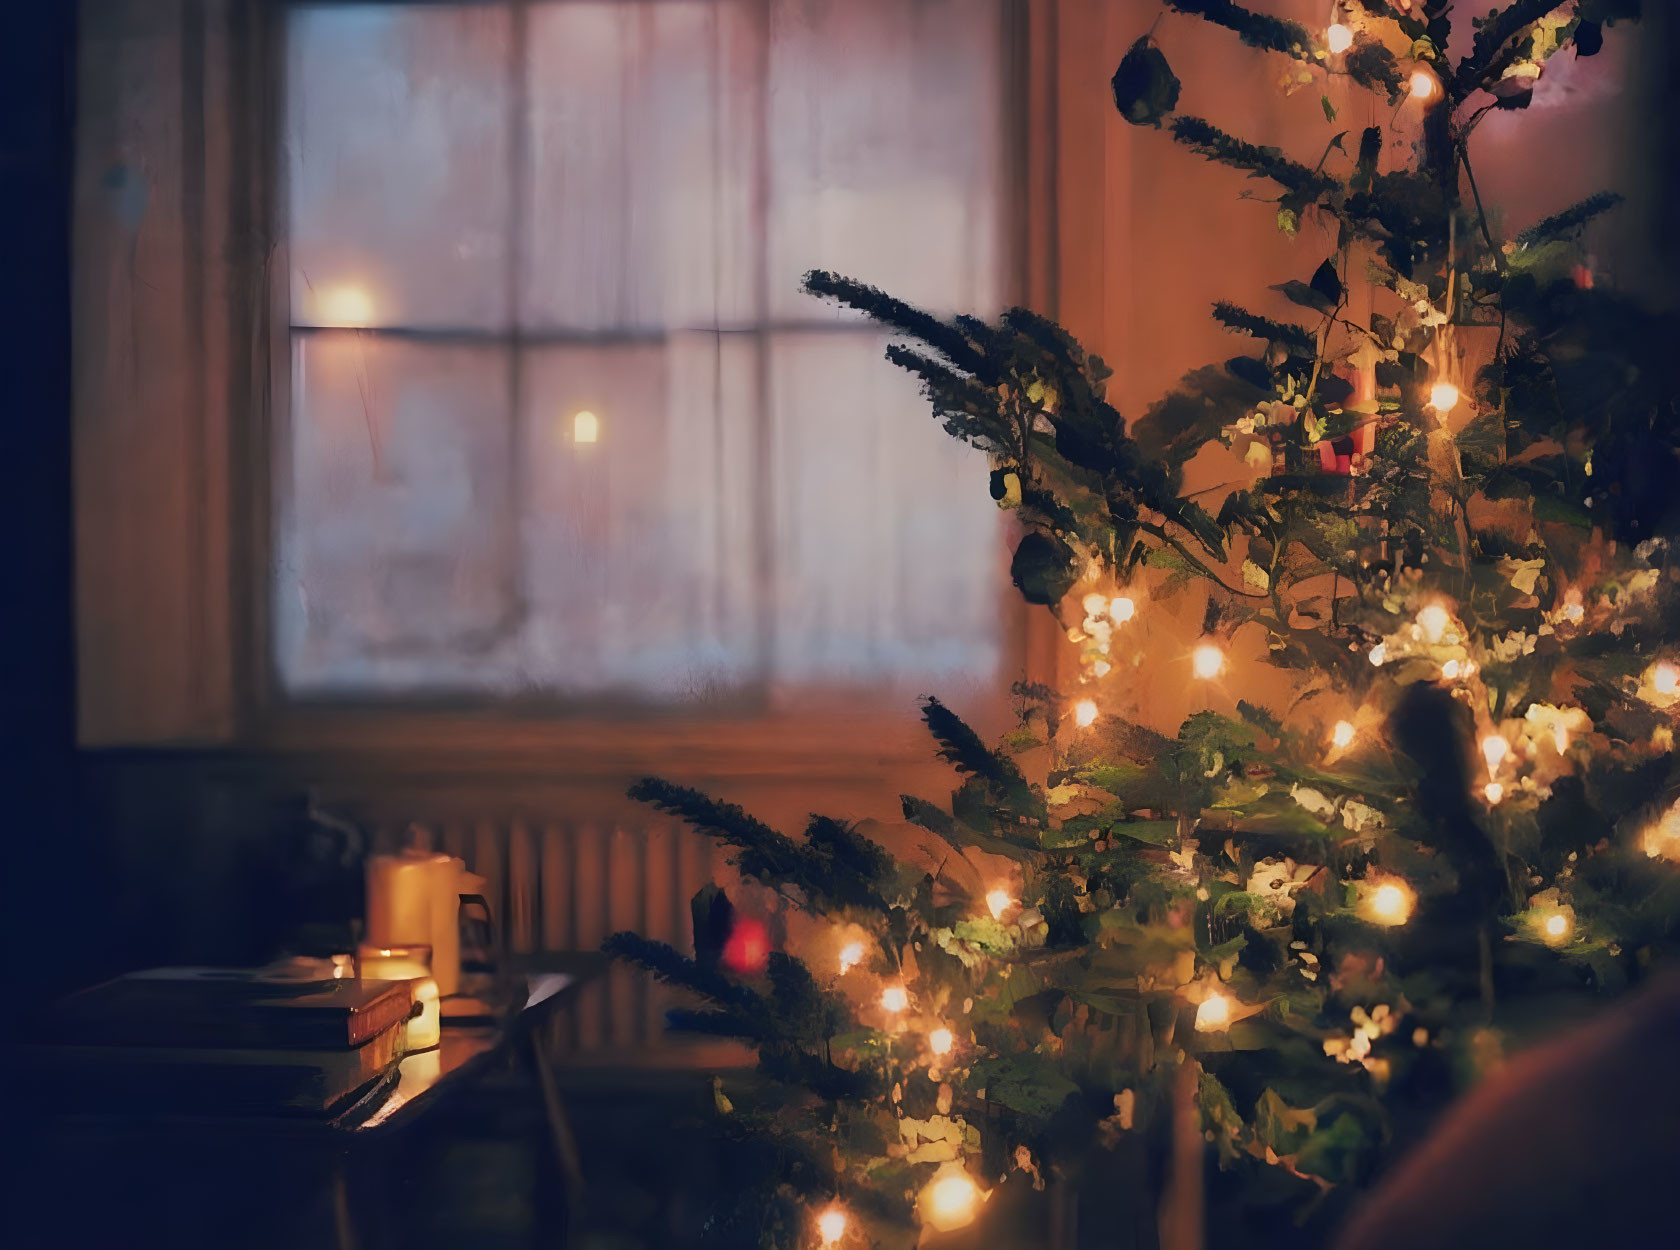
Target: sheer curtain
{"type": "Point", "coordinates": [505, 220]}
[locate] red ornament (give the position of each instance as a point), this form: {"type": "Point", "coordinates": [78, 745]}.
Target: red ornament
{"type": "Point", "coordinates": [747, 948]}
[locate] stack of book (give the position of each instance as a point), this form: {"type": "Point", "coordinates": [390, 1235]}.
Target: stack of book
{"type": "Point", "coordinates": [222, 1041]}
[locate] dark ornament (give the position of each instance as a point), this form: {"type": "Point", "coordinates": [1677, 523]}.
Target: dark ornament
{"type": "Point", "coordinates": [1042, 569]}
{"type": "Point", "coordinates": [1145, 88]}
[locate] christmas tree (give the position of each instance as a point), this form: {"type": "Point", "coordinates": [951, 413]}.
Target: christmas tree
{"type": "Point", "coordinates": [1269, 948]}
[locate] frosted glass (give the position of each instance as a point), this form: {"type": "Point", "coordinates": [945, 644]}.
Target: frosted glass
{"type": "Point", "coordinates": [886, 541]}
{"type": "Point", "coordinates": [398, 165]}
{"type": "Point", "coordinates": [397, 563]}
{"type": "Point", "coordinates": [884, 122]}
{"type": "Point", "coordinates": [641, 549]}
{"type": "Point", "coordinates": [642, 210]}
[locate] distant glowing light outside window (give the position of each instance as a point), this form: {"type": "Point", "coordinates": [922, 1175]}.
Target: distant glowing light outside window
{"type": "Point", "coordinates": [347, 306]}
{"type": "Point", "coordinates": [586, 427]}
{"type": "Point", "coordinates": [1207, 661]}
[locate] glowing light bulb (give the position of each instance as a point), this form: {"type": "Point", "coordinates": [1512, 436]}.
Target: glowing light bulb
{"type": "Point", "coordinates": [1338, 38]}
{"type": "Point", "coordinates": [1557, 925]}
{"type": "Point", "coordinates": [851, 955]}
{"type": "Point", "coordinates": [831, 1225]}
{"type": "Point", "coordinates": [348, 306]}
{"type": "Point", "coordinates": [1666, 678]}
{"type": "Point", "coordinates": [950, 1200]}
{"type": "Point", "coordinates": [586, 427]}
{"type": "Point", "coordinates": [998, 902]}
{"type": "Point", "coordinates": [1084, 713]}
{"type": "Point", "coordinates": [1341, 737]}
{"type": "Point", "coordinates": [1493, 792]}
{"type": "Point", "coordinates": [1121, 609]}
{"type": "Point", "coordinates": [1433, 620]}
{"type": "Point", "coordinates": [1094, 604]}
{"type": "Point", "coordinates": [895, 998]}
{"type": "Point", "coordinates": [1206, 661]}
{"type": "Point", "coordinates": [1379, 654]}
{"type": "Point", "coordinates": [1214, 1014]}
{"type": "Point", "coordinates": [1443, 397]}
{"type": "Point", "coordinates": [1391, 904]}
{"type": "Point", "coordinates": [940, 1041]}
{"type": "Point", "coordinates": [1449, 670]}
{"type": "Point", "coordinates": [1423, 84]}
{"type": "Point", "coordinates": [1494, 750]}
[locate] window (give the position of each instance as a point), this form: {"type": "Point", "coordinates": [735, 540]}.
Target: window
{"type": "Point", "coordinates": [560, 421]}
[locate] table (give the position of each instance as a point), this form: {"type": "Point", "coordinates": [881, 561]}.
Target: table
{"type": "Point", "coordinates": [357, 1142]}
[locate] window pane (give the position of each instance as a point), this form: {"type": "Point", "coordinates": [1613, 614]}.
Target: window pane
{"type": "Point", "coordinates": [642, 565]}
{"type": "Point", "coordinates": [885, 132]}
{"type": "Point", "coordinates": [396, 566]}
{"type": "Point", "coordinates": [398, 172]}
{"type": "Point", "coordinates": [643, 132]}
{"type": "Point", "coordinates": [887, 545]}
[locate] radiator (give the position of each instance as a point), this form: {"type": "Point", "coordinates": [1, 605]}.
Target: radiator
{"type": "Point", "coordinates": [563, 886]}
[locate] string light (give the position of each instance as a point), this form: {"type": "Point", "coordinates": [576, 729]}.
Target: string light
{"type": "Point", "coordinates": [1443, 397]}
{"type": "Point", "coordinates": [950, 1200]}
{"type": "Point", "coordinates": [1665, 678]}
{"type": "Point", "coordinates": [1094, 604]}
{"type": "Point", "coordinates": [1214, 1014]}
{"type": "Point", "coordinates": [1338, 38]}
{"type": "Point", "coordinates": [851, 955]}
{"type": "Point", "coordinates": [1379, 653]}
{"type": "Point", "coordinates": [895, 998]}
{"type": "Point", "coordinates": [1085, 713]}
{"type": "Point", "coordinates": [1391, 903]}
{"type": "Point", "coordinates": [998, 901]}
{"type": "Point", "coordinates": [1433, 620]}
{"type": "Point", "coordinates": [1557, 925]}
{"type": "Point", "coordinates": [1121, 609]}
{"type": "Point", "coordinates": [940, 1041]}
{"type": "Point", "coordinates": [1449, 670]}
{"type": "Point", "coordinates": [1493, 792]}
{"type": "Point", "coordinates": [1341, 737]}
{"type": "Point", "coordinates": [1207, 661]}
{"type": "Point", "coordinates": [1423, 84]}
{"type": "Point", "coordinates": [831, 1225]}
{"type": "Point", "coordinates": [1494, 750]}
{"type": "Point", "coordinates": [586, 427]}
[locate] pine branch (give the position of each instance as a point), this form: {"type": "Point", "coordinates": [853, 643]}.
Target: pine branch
{"type": "Point", "coordinates": [1570, 221]}
{"type": "Point", "coordinates": [962, 748]}
{"type": "Point", "coordinates": [948, 340]}
{"type": "Point", "coordinates": [1495, 31]}
{"type": "Point", "coordinates": [1238, 319]}
{"type": "Point", "coordinates": [674, 968]}
{"type": "Point", "coordinates": [1373, 67]}
{"type": "Point", "coordinates": [967, 409]}
{"type": "Point", "coordinates": [765, 853]}
{"type": "Point", "coordinates": [848, 850]}
{"type": "Point", "coordinates": [1207, 140]}
{"type": "Point", "coordinates": [1257, 30]}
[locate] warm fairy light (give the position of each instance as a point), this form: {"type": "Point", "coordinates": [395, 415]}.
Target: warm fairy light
{"type": "Point", "coordinates": [1379, 653]}
{"type": "Point", "coordinates": [1214, 1014]}
{"type": "Point", "coordinates": [1338, 38]}
{"type": "Point", "coordinates": [895, 998]}
{"type": "Point", "coordinates": [851, 955]}
{"type": "Point", "coordinates": [1665, 678]}
{"type": "Point", "coordinates": [1449, 670]}
{"type": "Point", "coordinates": [1423, 84]}
{"type": "Point", "coordinates": [1494, 750]}
{"type": "Point", "coordinates": [586, 427]}
{"type": "Point", "coordinates": [1433, 620]}
{"type": "Point", "coordinates": [831, 1225]}
{"type": "Point", "coordinates": [950, 1200]}
{"type": "Point", "coordinates": [348, 306]}
{"type": "Point", "coordinates": [998, 901]}
{"type": "Point", "coordinates": [1121, 609]}
{"type": "Point", "coordinates": [1206, 661]}
{"type": "Point", "coordinates": [1391, 904]}
{"type": "Point", "coordinates": [1341, 737]}
{"type": "Point", "coordinates": [1557, 925]}
{"type": "Point", "coordinates": [1084, 713]}
{"type": "Point", "coordinates": [1493, 792]}
{"type": "Point", "coordinates": [1443, 397]}
{"type": "Point", "coordinates": [1094, 604]}
{"type": "Point", "coordinates": [940, 1041]}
